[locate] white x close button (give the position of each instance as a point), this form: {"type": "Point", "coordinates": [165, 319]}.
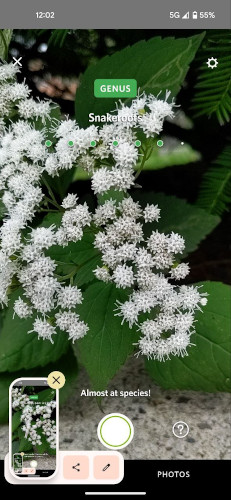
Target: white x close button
{"type": "Point", "coordinates": [17, 61]}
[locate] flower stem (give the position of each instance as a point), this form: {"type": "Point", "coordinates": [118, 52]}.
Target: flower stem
{"type": "Point", "coordinates": [52, 200]}
{"type": "Point", "coordinates": [54, 203]}
{"type": "Point", "coordinates": [146, 156]}
{"type": "Point", "coordinates": [48, 210]}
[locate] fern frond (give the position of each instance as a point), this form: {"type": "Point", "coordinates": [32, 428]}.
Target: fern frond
{"type": "Point", "coordinates": [58, 37]}
{"type": "Point", "coordinates": [215, 190]}
{"type": "Point", "coordinates": [213, 87]}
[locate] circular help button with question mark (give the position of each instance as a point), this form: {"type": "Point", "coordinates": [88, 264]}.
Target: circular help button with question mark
{"type": "Point", "coordinates": [180, 429]}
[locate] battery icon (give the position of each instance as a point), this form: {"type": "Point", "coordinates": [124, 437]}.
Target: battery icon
{"type": "Point", "coordinates": [194, 14]}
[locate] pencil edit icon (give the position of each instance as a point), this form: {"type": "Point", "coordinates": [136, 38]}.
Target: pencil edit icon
{"type": "Point", "coordinates": [106, 467]}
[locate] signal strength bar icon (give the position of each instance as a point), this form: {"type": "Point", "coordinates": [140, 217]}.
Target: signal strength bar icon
{"type": "Point", "coordinates": [186, 16]}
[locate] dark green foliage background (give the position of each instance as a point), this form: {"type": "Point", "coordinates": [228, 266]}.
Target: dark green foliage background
{"type": "Point", "coordinates": [159, 63]}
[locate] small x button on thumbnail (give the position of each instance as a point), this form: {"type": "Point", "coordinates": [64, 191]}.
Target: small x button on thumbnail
{"type": "Point", "coordinates": [56, 380]}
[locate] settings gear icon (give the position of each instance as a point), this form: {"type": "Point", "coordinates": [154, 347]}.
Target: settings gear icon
{"type": "Point", "coordinates": [212, 62]}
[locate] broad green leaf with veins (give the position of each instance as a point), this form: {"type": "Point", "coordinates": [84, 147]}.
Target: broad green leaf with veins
{"type": "Point", "coordinates": [20, 350]}
{"type": "Point", "coordinates": [108, 343]}
{"type": "Point", "coordinates": [207, 366]}
{"type": "Point", "coordinates": [159, 64]}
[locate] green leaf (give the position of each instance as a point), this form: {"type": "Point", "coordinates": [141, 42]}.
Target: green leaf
{"type": "Point", "coordinates": [82, 255]}
{"type": "Point", "coordinates": [2, 210]}
{"type": "Point", "coordinates": [20, 350]}
{"type": "Point", "coordinates": [179, 155]}
{"type": "Point", "coordinates": [215, 188]}
{"type": "Point", "coordinates": [192, 222]}
{"type": "Point", "coordinates": [108, 343]}
{"type": "Point", "coordinates": [46, 395]}
{"type": "Point", "coordinates": [207, 366]}
{"type": "Point", "coordinates": [67, 364]}
{"type": "Point", "coordinates": [15, 447]}
{"type": "Point", "coordinates": [5, 381]}
{"type": "Point", "coordinates": [5, 37]}
{"type": "Point", "coordinates": [157, 64]}
{"type": "Point", "coordinates": [16, 420]}
{"type": "Point", "coordinates": [44, 447]}
{"type": "Point", "coordinates": [24, 444]}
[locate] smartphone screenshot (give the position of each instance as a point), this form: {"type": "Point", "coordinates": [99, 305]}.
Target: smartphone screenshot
{"type": "Point", "coordinates": [33, 428]}
{"type": "Point", "coordinates": [115, 281]}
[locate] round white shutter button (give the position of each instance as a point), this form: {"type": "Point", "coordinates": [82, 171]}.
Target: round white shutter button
{"type": "Point", "coordinates": [115, 431]}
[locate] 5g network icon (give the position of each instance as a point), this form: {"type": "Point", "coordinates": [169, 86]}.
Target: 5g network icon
{"type": "Point", "coordinates": [173, 15]}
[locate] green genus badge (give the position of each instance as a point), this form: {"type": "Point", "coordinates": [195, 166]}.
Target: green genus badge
{"type": "Point", "coordinates": [105, 88]}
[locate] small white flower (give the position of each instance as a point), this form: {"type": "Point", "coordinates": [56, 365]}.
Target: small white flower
{"type": "Point", "coordinates": [8, 71]}
{"type": "Point", "coordinates": [175, 243]}
{"type": "Point", "coordinates": [69, 201]}
{"type": "Point", "coordinates": [105, 212]}
{"type": "Point", "coordinates": [180, 272]}
{"type": "Point", "coordinates": [69, 322]}
{"type": "Point", "coordinates": [69, 296]}
{"type": "Point", "coordinates": [77, 331]}
{"type": "Point", "coordinates": [139, 103]}
{"type": "Point", "coordinates": [125, 154]}
{"type": "Point", "coordinates": [102, 180]}
{"type": "Point", "coordinates": [157, 242]}
{"type": "Point", "coordinates": [30, 253]}
{"type": "Point", "coordinates": [52, 165]}
{"type": "Point", "coordinates": [125, 252]}
{"type": "Point", "coordinates": [122, 178]}
{"type": "Point", "coordinates": [31, 109]}
{"type": "Point", "coordinates": [102, 274]}
{"type": "Point", "coordinates": [87, 162]}
{"type": "Point", "coordinates": [190, 298]}
{"type": "Point", "coordinates": [161, 108]}
{"type": "Point", "coordinates": [123, 276]}
{"type": "Point", "coordinates": [128, 311]}
{"type": "Point", "coordinates": [143, 259]}
{"type": "Point", "coordinates": [44, 329]}
{"type": "Point", "coordinates": [203, 301]}
{"type": "Point", "coordinates": [126, 115]}
{"type": "Point", "coordinates": [129, 259]}
{"type": "Point", "coordinates": [22, 309]}
{"type": "Point", "coordinates": [73, 233]}
{"type": "Point", "coordinates": [43, 237]}
{"type": "Point", "coordinates": [64, 128]}
{"type": "Point", "coordinates": [64, 319]}
{"type": "Point", "coordinates": [151, 124]}
{"type": "Point", "coordinates": [151, 213]}
{"type": "Point", "coordinates": [19, 91]}
{"type": "Point", "coordinates": [42, 293]}
{"type": "Point", "coordinates": [41, 266]}
{"type": "Point", "coordinates": [128, 207]}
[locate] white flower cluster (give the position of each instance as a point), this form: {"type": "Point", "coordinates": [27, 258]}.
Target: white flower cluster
{"type": "Point", "coordinates": [42, 290]}
{"type": "Point", "coordinates": [114, 142]}
{"type": "Point", "coordinates": [147, 265]}
{"type": "Point", "coordinates": [19, 400]}
{"type": "Point", "coordinates": [109, 154]}
{"type": "Point", "coordinates": [22, 156]}
{"type": "Point", "coordinates": [35, 416]}
{"type": "Point", "coordinates": [15, 96]}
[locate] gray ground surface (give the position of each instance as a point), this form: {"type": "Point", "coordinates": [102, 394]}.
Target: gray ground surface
{"type": "Point", "coordinates": [206, 414]}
